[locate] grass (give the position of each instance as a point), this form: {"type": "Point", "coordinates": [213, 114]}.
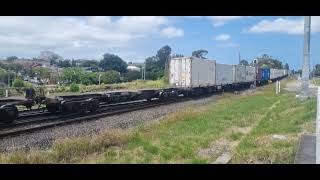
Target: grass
{"type": "Point", "coordinates": [182, 135]}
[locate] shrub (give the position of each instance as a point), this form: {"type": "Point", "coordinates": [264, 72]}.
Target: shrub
{"type": "Point", "coordinates": [110, 77]}
{"type": "Point", "coordinates": [18, 83]}
{"type": "Point", "coordinates": [74, 87]}
{"type": "Point", "coordinates": [132, 75]}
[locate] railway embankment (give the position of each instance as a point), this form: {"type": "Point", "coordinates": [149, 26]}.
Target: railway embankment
{"type": "Point", "coordinates": [257, 126]}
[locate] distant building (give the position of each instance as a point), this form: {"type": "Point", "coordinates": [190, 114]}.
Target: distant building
{"type": "Point", "coordinates": [133, 68]}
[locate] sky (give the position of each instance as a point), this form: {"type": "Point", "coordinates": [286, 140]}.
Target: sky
{"type": "Point", "coordinates": [134, 38]}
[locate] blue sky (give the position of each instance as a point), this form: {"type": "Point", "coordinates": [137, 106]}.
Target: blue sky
{"type": "Point", "coordinates": [135, 38]}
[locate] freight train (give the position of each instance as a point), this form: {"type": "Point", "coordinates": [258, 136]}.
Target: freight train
{"type": "Point", "coordinates": [188, 77]}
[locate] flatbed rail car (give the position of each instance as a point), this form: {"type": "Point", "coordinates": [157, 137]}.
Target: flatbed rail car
{"type": "Point", "coordinates": [92, 101]}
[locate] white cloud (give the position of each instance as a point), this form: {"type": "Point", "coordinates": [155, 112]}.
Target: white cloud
{"type": "Point", "coordinates": [282, 25]}
{"type": "Point", "coordinates": [172, 32]}
{"type": "Point", "coordinates": [228, 45]}
{"type": "Point", "coordinates": [31, 34]}
{"type": "Point", "coordinates": [222, 37]}
{"type": "Point", "coordinates": [221, 20]}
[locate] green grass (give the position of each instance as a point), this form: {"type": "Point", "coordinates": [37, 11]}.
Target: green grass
{"type": "Point", "coordinates": [179, 137]}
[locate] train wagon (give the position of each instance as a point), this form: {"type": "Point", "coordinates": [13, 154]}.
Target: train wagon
{"type": "Point", "coordinates": [239, 74]}
{"type": "Point", "coordinates": [250, 74]}
{"type": "Point", "coordinates": [190, 72]}
{"type": "Point", "coordinates": [225, 74]}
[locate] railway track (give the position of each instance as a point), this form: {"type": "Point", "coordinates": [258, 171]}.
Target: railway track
{"type": "Point", "coordinates": [19, 127]}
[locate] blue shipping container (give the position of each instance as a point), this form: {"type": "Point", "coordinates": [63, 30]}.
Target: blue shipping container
{"type": "Point", "coordinates": [265, 74]}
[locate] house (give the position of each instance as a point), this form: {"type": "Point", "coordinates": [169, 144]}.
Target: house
{"type": "Point", "coordinates": [133, 68]}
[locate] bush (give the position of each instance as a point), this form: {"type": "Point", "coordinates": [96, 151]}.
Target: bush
{"type": "Point", "coordinates": [132, 75]}
{"type": "Point", "coordinates": [18, 83]}
{"type": "Point", "coordinates": [110, 77]}
{"type": "Point", "coordinates": [74, 87]}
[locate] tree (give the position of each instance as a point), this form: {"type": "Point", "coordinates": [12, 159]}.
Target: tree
{"type": "Point", "coordinates": [53, 61]}
{"type": "Point", "coordinates": [286, 66]}
{"type": "Point", "coordinates": [64, 63]}
{"type": "Point", "coordinates": [12, 58]}
{"type": "Point", "coordinates": [110, 77]}
{"type": "Point", "coordinates": [177, 55]}
{"type": "Point", "coordinates": [43, 73]}
{"type": "Point", "coordinates": [18, 83]}
{"type": "Point", "coordinates": [244, 62]}
{"type": "Point", "coordinates": [316, 71]}
{"type": "Point", "coordinates": [90, 63]}
{"type": "Point", "coordinates": [200, 53]}
{"type": "Point", "coordinates": [163, 56]}
{"type": "Point", "coordinates": [49, 55]}
{"type": "Point", "coordinates": [113, 62]}
{"type": "Point", "coordinates": [132, 75]}
{"type": "Point", "coordinates": [73, 63]}
{"type": "Point", "coordinates": [266, 60]}
{"type": "Point", "coordinates": [73, 75]}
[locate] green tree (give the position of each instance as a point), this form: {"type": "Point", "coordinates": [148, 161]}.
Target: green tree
{"type": "Point", "coordinates": [73, 63]}
{"type": "Point", "coordinates": [113, 62]}
{"type": "Point", "coordinates": [163, 56]}
{"type": "Point", "coordinates": [286, 66]}
{"type": "Point", "coordinates": [132, 75]}
{"type": "Point", "coordinates": [200, 53]}
{"type": "Point", "coordinates": [90, 63]}
{"type": "Point", "coordinates": [18, 83]}
{"type": "Point", "coordinates": [73, 75]}
{"type": "Point", "coordinates": [64, 63]}
{"type": "Point", "coordinates": [177, 55]}
{"type": "Point", "coordinates": [244, 62]}
{"type": "Point", "coordinates": [266, 60]}
{"type": "Point", "coordinates": [43, 73]}
{"type": "Point", "coordinates": [316, 71]}
{"type": "Point", "coordinates": [110, 77]}
{"type": "Point", "coordinates": [12, 58]}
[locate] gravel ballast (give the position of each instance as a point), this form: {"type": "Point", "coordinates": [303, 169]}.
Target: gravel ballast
{"type": "Point", "coordinates": [43, 139]}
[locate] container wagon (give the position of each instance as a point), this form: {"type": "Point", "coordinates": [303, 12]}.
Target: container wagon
{"type": "Point", "coordinates": [188, 72]}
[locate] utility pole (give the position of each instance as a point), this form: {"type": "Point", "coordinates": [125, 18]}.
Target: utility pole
{"type": "Point", "coordinates": [239, 57]}
{"type": "Point", "coordinates": [306, 57]}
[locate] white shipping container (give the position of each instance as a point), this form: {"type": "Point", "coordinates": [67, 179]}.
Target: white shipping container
{"type": "Point", "coordinates": [276, 73]}
{"type": "Point", "coordinates": [191, 72]}
{"type": "Point", "coordinates": [225, 74]}
{"type": "Point", "coordinates": [240, 73]}
{"type": "Point", "coordinates": [250, 74]}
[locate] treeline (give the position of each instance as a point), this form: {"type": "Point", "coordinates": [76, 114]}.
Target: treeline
{"type": "Point", "coordinates": [266, 61]}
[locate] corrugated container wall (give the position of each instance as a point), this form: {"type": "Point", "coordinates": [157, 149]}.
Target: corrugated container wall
{"type": "Point", "coordinates": [225, 74]}
{"type": "Point", "coordinates": [191, 72]}
{"type": "Point", "coordinates": [250, 74]}
{"type": "Point", "coordinates": [240, 73]}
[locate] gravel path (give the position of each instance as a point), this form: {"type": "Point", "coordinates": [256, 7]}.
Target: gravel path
{"type": "Point", "coordinates": [43, 139]}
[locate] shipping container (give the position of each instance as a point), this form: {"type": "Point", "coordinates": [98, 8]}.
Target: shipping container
{"type": "Point", "coordinates": [250, 74]}
{"type": "Point", "coordinates": [191, 72]}
{"type": "Point", "coordinates": [240, 73]}
{"type": "Point", "coordinates": [225, 74]}
{"type": "Point", "coordinates": [276, 73]}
